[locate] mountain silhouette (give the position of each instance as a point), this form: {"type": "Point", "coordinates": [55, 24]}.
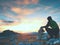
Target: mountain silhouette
{"type": "Point", "coordinates": [7, 33]}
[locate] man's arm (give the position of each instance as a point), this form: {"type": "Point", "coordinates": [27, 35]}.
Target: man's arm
{"type": "Point", "coordinates": [47, 25]}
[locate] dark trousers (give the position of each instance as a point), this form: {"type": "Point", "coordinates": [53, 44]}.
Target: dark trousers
{"type": "Point", "coordinates": [53, 33]}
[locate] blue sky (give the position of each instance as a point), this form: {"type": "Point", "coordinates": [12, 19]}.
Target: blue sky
{"type": "Point", "coordinates": [16, 12]}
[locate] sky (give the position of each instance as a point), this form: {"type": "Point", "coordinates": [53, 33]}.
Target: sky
{"type": "Point", "coordinates": [27, 15]}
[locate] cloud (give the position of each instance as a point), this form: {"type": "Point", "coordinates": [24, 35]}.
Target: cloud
{"type": "Point", "coordinates": [17, 2]}
{"type": "Point", "coordinates": [48, 7]}
{"type": "Point", "coordinates": [15, 5]}
{"type": "Point", "coordinates": [26, 2]}
{"type": "Point", "coordinates": [8, 23]}
{"type": "Point", "coordinates": [49, 10]}
{"type": "Point", "coordinates": [16, 18]}
{"type": "Point", "coordinates": [54, 11]}
{"type": "Point", "coordinates": [22, 11]}
{"type": "Point", "coordinates": [16, 10]}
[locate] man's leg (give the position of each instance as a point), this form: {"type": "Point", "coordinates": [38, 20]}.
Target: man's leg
{"type": "Point", "coordinates": [49, 31]}
{"type": "Point", "coordinates": [56, 33]}
{"type": "Point", "coordinates": [57, 36]}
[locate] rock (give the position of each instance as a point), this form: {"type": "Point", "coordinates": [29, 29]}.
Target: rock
{"type": "Point", "coordinates": [53, 41]}
{"type": "Point", "coordinates": [21, 43]}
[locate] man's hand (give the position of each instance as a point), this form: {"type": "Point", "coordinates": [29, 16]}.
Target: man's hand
{"type": "Point", "coordinates": [43, 26]}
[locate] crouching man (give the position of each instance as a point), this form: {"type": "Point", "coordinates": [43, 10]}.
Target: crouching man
{"type": "Point", "coordinates": [53, 31]}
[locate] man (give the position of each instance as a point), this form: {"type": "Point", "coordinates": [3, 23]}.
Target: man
{"type": "Point", "coordinates": [52, 28]}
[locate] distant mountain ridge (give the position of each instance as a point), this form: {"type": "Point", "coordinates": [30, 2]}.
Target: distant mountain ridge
{"type": "Point", "coordinates": [7, 33]}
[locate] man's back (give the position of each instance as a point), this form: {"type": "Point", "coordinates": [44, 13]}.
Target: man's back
{"type": "Point", "coordinates": [53, 24]}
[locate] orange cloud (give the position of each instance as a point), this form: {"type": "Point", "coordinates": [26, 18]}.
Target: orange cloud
{"type": "Point", "coordinates": [21, 11]}
{"type": "Point", "coordinates": [30, 1]}
{"type": "Point", "coordinates": [26, 2]}
{"type": "Point", "coordinates": [0, 21]}
{"type": "Point", "coordinates": [27, 11]}
{"type": "Point", "coordinates": [16, 10]}
{"type": "Point", "coordinates": [35, 1]}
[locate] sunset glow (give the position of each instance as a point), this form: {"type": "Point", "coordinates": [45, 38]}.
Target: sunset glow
{"type": "Point", "coordinates": [27, 15]}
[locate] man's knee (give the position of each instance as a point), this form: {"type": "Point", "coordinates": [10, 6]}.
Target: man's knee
{"type": "Point", "coordinates": [48, 29]}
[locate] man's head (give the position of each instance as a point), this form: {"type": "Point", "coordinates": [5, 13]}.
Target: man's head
{"type": "Point", "coordinates": [49, 18]}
